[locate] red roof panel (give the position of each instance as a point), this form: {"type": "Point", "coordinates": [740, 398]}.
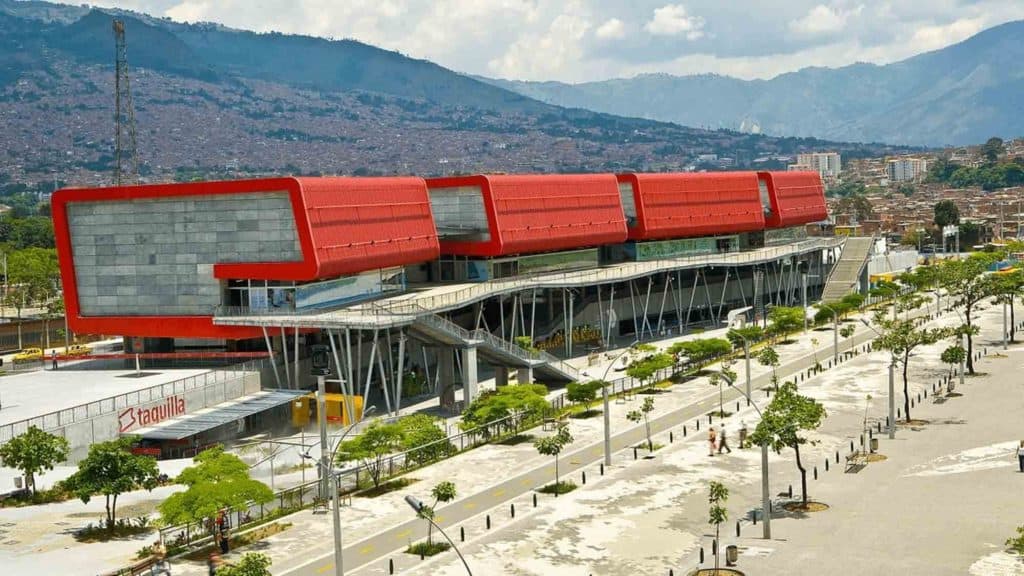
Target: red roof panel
{"type": "Point", "coordinates": [681, 205]}
{"type": "Point", "coordinates": [542, 213]}
{"type": "Point", "coordinates": [796, 198]}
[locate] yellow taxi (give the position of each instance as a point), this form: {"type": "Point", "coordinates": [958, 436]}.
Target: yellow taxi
{"type": "Point", "coordinates": [29, 355]}
{"type": "Point", "coordinates": [77, 350]}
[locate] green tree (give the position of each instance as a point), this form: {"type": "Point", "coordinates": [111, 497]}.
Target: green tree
{"type": "Point", "coordinates": [553, 446]}
{"type": "Point", "coordinates": [33, 452]}
{"type": "Point", "coordinates": [636, 416]}
{"type": "Point", "coordinates": [785, 320]}
{"type": "Point", "coordinates": [524, 401]}
{"type": "Point", "coordinates": [700, 351]}
{"type": "Point", "coordinates": [946, 213]}
{"type": "Point", "coordinates": [111, 469]}
{"type": "Point", "coordinates": [953, 356]}
{"type": "Point", "coordinates": [858, 205]}
{"type": "Point", "coordinates": [907, 189]}
{"type": "Point", "coordinates": [371, 447]}
{"type": "Point", "coordinates": [787, 415]}
{"type": "Point", "coordinates": [902, 337]}
{"type": "Point", "coordinates": [941, 170]}
{"type": "Point", "coordinates": [752, 333]}
{"type": "Point", "coordinates": [992, 149]}
{"type": "Point", "coordinates": [584, 393]}
{"type": "Point", "coordinates": [848, 331]}
{"type": "Point", "coordinates": [422, 440]}
{"type": "Point", "coordinates": [966, 282]}
{"type": "Point", "coordinates": [1017, 544]}
{"type": "Point", "coordinates": [218, 480]}
{"type": "Point", "coordinates": [769, 357]}
{"type": "Point", "coordinates": [644, 369]}
{"type": "Point", "coordinates": [251, 564]}
{"type": "Point", "coordinates": [443, 492]}
{"type": "Point", "coordinates": [718, 495]}
{"type": "Point", "coordinates": [1005, 287]}
{"type": "Point", "coordinates": [32, 276]}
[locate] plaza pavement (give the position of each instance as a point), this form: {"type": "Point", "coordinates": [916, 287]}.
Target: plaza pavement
{"type": "Point", "coordinates": [943, 503]}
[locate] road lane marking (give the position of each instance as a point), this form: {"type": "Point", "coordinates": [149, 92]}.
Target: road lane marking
{"type": "Point", "coordinates": [499, 493]}
{"type": "Point", "coordinates": [404, 533]}
{"type": "Point", "coordinates": [366, 549]}
{"type": "Point", "coordinates": [324, 568]}
{"type": "Point", "coordinates": [469, 505]}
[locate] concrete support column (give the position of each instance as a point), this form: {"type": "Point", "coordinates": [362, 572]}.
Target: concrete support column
{"type": "Point", "coordinates": [470, 383]}
{"type": "Point", "coordinates": [525, 375]}
{"type": "Point", "coordinates": [500, 376]}
{"type": "Point", "coordinates": [446, 375]}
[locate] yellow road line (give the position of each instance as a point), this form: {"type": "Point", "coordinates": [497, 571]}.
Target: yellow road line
{"type": "Point", "coordinates": [366, 549]}
{"type": "Point", "coordinates": [438, 519]}
{"type": "Point", "coordinates": [324, 568]}
{"type": "Point", "coordinates": [525, 482]}
{"type": "Point", "coordinates": [404, 533]}
{"type": "Point", "coordinates": [469, 505]}
{"type": "Point", "coordinates": [499, 493]}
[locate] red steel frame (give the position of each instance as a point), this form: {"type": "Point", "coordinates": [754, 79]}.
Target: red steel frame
{"type": "Point", "coordinates": [682, 205]}
{"type": "Point", "coordinates": [327, 211]}
{"type": "Point", "coordinates": [796, 198]}
{"type": "Point", "coordinates": [542, 213]}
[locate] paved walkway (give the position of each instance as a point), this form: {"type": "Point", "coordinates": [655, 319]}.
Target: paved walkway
{"type": "Point", "coordinates": [943, 502]}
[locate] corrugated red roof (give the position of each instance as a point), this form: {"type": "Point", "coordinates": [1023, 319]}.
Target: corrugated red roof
{"type": "Point", "coordinates": [796, 198]}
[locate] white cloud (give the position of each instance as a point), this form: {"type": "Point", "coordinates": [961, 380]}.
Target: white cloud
{"type": "Point", "coordinates": [613, 28]}
{"type": "Point", "coordinates": [541, 56]}
{"type": "Point", "coordinates": [824, 19]}
{"type": "Point", "coordinates": [672, 20]}
{"type": "Point", "coordinates": [933, 37]}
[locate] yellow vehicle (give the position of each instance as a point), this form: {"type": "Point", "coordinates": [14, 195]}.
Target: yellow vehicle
{"type": "Point", "coordinates": [29, 355]}
{"type": "Point", "coordinates": [77, 350]}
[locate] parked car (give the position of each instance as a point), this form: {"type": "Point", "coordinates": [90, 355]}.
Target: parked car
{"type": "Point", "coordinates": [29, 355]}
{"type": "Point", "coordinates": [77, 350]}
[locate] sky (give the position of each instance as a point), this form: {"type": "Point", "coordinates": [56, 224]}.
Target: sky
{"type": "Point", "coordinates": [587, 40]}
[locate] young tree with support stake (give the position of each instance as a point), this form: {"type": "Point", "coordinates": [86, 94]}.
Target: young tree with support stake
{"type": "Point", "coordinates": [33, 452]}
{"type": "Point", "coordinates": [967, 283]}
{"type": "Point", "coordinates": [553, 446]}
{"type": "Point", "coordinates": [953, 356]}
{"type": "Point", "coordinates": [902, 337]}
{"type": "Point", "coordinates": [718, 495]}
{"type": "Point", "coordinates": [769, 357]}
{"type": "Point", "coordinates": [442, 493]}
{"type": "Point", "coordinates": [642, 414]}
{"type": "Point", "coordinates": [1006, 286]}
{"type": "Point", "coordinates": [787, 415]}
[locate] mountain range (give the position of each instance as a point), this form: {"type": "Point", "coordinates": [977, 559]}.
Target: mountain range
{"type": "Point", "coordinates": [961, 94]}
{"type": "Point", "coordinates": [212, 101]}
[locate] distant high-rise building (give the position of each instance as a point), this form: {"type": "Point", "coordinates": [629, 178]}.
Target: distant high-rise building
{"type": "Point", "coordinates": [906, 169]}
{"type": "Point", "coordinates": [828, 164]}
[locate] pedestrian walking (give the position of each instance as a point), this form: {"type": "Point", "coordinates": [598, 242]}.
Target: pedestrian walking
{"type": "Point", "coordinates": [162, 565]}
{"type": "Point", "coordinates": [743, 434]}
{"type": "Point", "coordinates": [213, 563]}
{"type": "Point", "coordinates": [1020, 455]}
{"type": "Point", "coordinates": [723, 440]}
{"type": "Point", "coordinates": [224, 541]}
{"type": "Point", "coordinates": [712, 439]}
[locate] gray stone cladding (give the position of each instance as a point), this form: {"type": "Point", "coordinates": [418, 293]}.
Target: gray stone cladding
{"type": "Point", "coordinates": [156, 256]}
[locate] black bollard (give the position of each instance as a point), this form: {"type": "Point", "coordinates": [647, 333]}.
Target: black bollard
{"type": "Point", "coordinates": [737, 406]}
{"type": "Point", "coordinates": [851, 445]}
{"type": "Point", "coordinates": [714, 547]}
{"type": "Point", "coordinates": [535, 496]}
{"type": "Point", "coordinates": [709, 418]}
{"type": "Point", "coordinates": [701, 555]}
{"type": "Point", "coordinates": [879, 426]}
{"type": "Point", "coordinates": [422, 556]}
{"type": "Point", "coordinates": [584, 476]}
{"type": "Point", "coordinates": [512, 508]}
{"type": "Point", "coordinates": [684, 430]}
{"type": "Point", "coordinates": [602, 468]}
{"type": "Point", "coordinates": [815, 472]}
{"type": "Point", "coordinates": [790, 490]}
{"type": "Point", "coordinates": [489, 516]}
{"type": "Point", "coordinates": [837, 457]}
{"type": "Point", "coordinates": [737, 529]}
{"type": "Point", "coordinates": [634, 453]}
{"type": "Point", "coordinates": [671, 437]}
{"type": "Point", "coordinates": [391, 566]}
{"type": "Point", "coordinates": [462, 529]}
{"type": "Point", "coordinates": [698, 425]}
{"type": "Point", "coordinates": [754, 516]}
{"type": "Point", "coordinates": [826, 464]}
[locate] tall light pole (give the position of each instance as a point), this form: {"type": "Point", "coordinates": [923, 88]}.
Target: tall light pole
{"type": "Point", "coordinates": [766, 499]}
{"type": "Point", "coordinates": [418, 506]}
{"type": "Point", "coordinates": [835, 332]}
{"type": "Point", "coordinates": [607, 409]}
{"type": "Point", "coordinates": [1005, 328]}
{"type": "Point", "coordinates": [892, 385]}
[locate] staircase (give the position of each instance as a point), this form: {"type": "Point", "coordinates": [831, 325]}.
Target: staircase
{"type": "Point", "coordinates": [502, 352]}
{"type": "Point", "coordinates": [846, 273]}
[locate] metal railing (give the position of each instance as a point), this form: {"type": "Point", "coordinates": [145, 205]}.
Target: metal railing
{"type": "Point", "coordinates": [68, 416]}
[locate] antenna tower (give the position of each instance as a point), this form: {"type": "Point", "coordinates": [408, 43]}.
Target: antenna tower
{"type": "Point", "coordinates": [126, 157]}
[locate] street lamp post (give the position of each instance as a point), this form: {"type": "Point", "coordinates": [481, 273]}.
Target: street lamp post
{"type": "Point", "coordinates": [607, 410]}
{"type": "Point", "coordinates": [835, 332]}
{"type": "Point", "coordinates": [418, 506]}
{"type": "Point", "coordinates": [892, 385]}
{"type": "Point", "coordinates": [766, 503]}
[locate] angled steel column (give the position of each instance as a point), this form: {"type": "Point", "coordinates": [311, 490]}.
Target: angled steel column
{"type": "Point", "coordinates": [270, 351]}
{"type": "Point", "coordinates": [284, 351]}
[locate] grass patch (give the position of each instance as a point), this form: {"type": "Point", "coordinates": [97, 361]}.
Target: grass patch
{"type": "Point", "coordinates": [121, 529]}
{"type": "Point", "coordinates": [385, 487]}
{"type": "Point", "coordinates": [643, 446]}
{"type": "Point", "coordinates": [562, 487]}
{"type": "Point", "coordinates": [585, 414]}
{"type": "Point", "coordinates": [55, 494]}
{"type": "Point", "coordinates": [720, 414]}
{"type": "Point", "coordinates": [516, 439]}
{"type": "Point", "coordinates": [427, 549]}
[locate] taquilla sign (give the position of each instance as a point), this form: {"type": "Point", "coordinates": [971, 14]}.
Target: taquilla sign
{"type": "Point", "coordinates": [141, 416]}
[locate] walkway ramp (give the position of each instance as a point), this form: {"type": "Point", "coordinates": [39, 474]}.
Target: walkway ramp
{"type": "Point", "coordinates": [847, 271]}
{"type": "Point", "coordinates": [435, 328]}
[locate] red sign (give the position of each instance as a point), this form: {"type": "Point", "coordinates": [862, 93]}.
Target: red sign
{"type": "Point", "coordinates": [146, 451]}
{"type": "Point", "coordinates": [136, 416]}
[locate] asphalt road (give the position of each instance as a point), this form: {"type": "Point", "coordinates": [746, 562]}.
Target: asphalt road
{"type": "Point", "coordinates": [386, 543]}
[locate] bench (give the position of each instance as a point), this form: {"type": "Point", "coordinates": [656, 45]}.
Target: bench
{"type": "Point", "coordinates": [856, 459]}
{"type": "Point", "coordinates": [319, 505]}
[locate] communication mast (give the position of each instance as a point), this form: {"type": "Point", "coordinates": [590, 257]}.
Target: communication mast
{"type": "Point", "coordinates": [126, 154]}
